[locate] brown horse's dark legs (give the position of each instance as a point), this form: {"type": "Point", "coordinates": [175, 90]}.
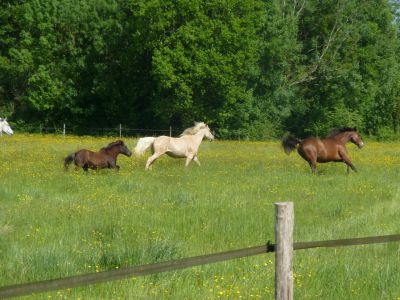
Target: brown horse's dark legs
{"type": "Point", "coordinates": [313, 167]}
{"type": "Point", "coordinates": [113, 165]}
{"type": "Point", "coordinates": [77, 166]}
{"type": "Point", "coordinates": [348, 162]}
{"type": "Point", "coordinates": [350, 165]}
{"type": "Point", "coordinates": [309, 155]}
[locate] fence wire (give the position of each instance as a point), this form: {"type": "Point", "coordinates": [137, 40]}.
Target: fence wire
{"type": "Point", "coordinates": [97, 131]}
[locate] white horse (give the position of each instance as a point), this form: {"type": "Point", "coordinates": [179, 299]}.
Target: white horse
{"type": "Point", "coordinates": [185, 146]}
{"type": "Point", "coordinates": [4, 126]}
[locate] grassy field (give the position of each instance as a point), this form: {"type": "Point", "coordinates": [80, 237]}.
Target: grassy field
{"type": "Point", "coordinates": [55, 223]}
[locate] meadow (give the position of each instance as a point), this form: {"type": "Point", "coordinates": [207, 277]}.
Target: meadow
{"type": "Point", "coordinates": [55, 223]}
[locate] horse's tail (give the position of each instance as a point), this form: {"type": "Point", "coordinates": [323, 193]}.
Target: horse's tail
{"type": "Point", "coordinates": [143, 144]}
{"type": "Point", "coordinates": [289, 143]}
{"type": "Point", "coordinates": [69, 159]}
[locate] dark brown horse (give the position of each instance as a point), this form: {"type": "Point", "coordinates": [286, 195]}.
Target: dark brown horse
{"type": "Point", "coordinates": [105, 158]}
{"type": "Point", "coordinates": [331, 148]}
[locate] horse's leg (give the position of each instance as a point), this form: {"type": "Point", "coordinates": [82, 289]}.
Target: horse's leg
{"type": "Point", "coordinates": [309, 154]}
{"type": "Point", "coordinates": [78, 165]}
{"type": "Point", "coordinates": [85, 167]}
{"type": "Point", "coordinates": [196, 160]}
{"type": "Point", "coordinates": [312, 161]}
{"type": "Point", "coordinates": [348, 162]}
{"type": "Point", "coordinates": [113, 165]}
{"type": "Point", "coordinates": [151, 160]}
{"type": "Point", "coordinates": [189, 159]}
{"type": "Point", "coordinates": [313, 166]}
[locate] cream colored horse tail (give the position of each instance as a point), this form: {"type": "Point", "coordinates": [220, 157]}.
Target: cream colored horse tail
{"type": "Point", "coordinates": [143, 144]}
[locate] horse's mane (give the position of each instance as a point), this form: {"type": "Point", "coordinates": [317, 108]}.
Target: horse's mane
{"type": "Point", "coordinates": [335, 131]}
{"type": "Point", "coordinates": [113, 144]}
{"type": "Point", "coordinates": [194, 129]}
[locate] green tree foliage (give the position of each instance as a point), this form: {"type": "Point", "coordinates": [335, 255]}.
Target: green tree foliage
{"type": "Point", "coordinates": [256, 67]}
{"type": "Point", "coordinates": [354, 66]}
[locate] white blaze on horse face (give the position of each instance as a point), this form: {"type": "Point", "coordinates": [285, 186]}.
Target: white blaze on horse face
{"type": "Point", "coordinates": [208, 134]}
{"type": "Point", "coordinates": [358, 142]}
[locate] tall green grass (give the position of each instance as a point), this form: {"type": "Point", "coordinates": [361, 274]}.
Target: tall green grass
{"type": "Point", "coordinates": [55, 223]}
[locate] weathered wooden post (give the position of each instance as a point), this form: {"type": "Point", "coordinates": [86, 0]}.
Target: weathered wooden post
{"type": "Point", "coordinates": [120, 130]}
{"type": "Point", "coordinates": [284, 220]}
{"type": "Point", "coordinates": [64, 130]}
{"type": "Point", "coordinates": [170, 131]}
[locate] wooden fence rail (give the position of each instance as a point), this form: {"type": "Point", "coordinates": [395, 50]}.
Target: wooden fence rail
{"type": "Point", "coordinates": [92, 278]}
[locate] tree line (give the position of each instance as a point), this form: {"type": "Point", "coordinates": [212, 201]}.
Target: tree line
{"type": "Point", "coordinates": [262, 68]}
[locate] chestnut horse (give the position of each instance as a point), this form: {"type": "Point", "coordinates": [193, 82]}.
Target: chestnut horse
{"type": "Point", "coordinates": [105, 158]}
{"type": "Point", "coordinates": [331, 148]}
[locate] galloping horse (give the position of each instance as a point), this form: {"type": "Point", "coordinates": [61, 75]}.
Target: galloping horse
{"type": "Point", "coordinates": [185, 146]}
{"type": "Point", "coordinates": [4, 126]}
{"type": "Point", "coordinates": [105, 158]}
{"type": "Point", "coordinates": [331, 148]}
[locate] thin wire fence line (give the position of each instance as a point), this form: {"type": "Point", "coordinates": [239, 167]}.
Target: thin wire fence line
{"type": "Point", "coordinates": [119, 130]}
{"type": "Point", "coordinates": [99, 131]}
{"type": "Point", "coordinates": [95, 128]}
{"type": "Point", "coordinates": [61, 126]}
{"type": "Point", "coordinates": [92, 278]}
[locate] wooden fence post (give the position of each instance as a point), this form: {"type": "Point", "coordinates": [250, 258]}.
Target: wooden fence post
{"type": "Point", "coordinates": [284, 220]}
{"type": "Point", "coordinates": [64, 130]}
{"type": "Point", "coordinates": [120, 130]}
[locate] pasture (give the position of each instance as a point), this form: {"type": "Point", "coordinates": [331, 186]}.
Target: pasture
{"type": "Point", "coordinates": [55, 223]}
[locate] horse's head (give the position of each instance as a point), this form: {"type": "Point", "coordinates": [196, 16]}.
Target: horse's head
{"type": "Point", "coordinates": [199, 127]}
{"type": "Point", "coordinates": [4, 126]}
{"type": "Point", "coordinates": [355, 138]}
{"type": "Point", "coordinates": [118, 147]}
{"type": "Point", "coordinates": [124, 149]}
{"type": "Point", "coordinates": [208, 133]}
{"type": "Point", "coordinates": [346, 134]}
